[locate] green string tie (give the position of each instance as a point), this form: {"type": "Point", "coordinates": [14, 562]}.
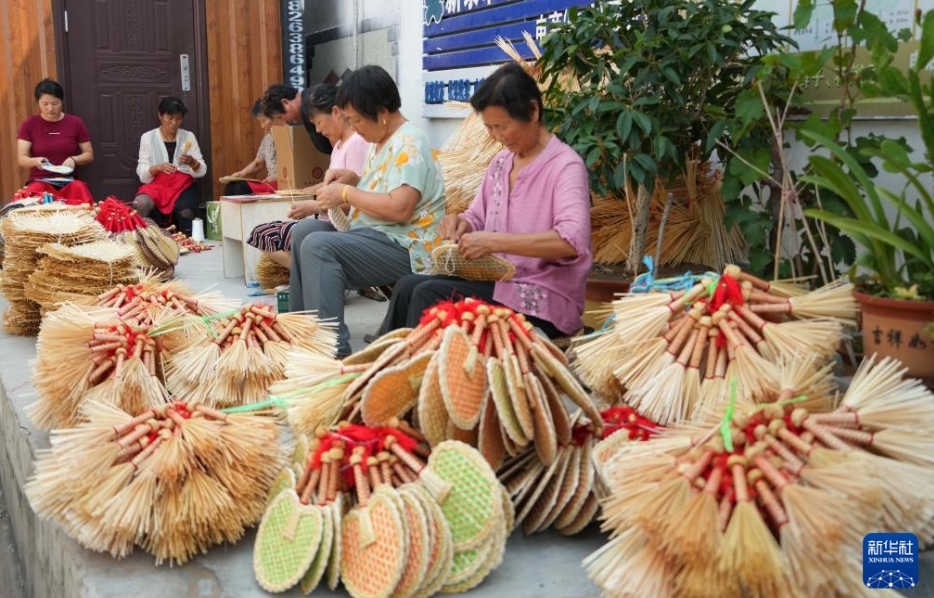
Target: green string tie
{"type": "Point", "coordinates": [727, 418]}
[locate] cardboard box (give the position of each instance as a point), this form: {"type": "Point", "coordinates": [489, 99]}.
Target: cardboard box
{"type": "Point", "coordinates": [299, 162]}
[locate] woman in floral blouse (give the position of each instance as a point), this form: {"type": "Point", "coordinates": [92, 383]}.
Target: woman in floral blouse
{"type": "Point", "coordinates": [395, 206]}
{"type": "Point", "coordinates": [533, 209]}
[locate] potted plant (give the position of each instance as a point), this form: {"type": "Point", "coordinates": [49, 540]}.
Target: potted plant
{"type": "Point", "coordinates": [642, 89]}
{"type": "Point", "coordinates": [896, 268]}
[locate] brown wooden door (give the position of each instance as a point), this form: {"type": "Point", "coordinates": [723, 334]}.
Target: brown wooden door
{"type": "Point", "coordinates": [121, 58]}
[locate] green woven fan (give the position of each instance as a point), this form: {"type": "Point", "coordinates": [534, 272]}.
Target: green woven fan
{"type": "Point", "coordinates": [474, 505]}
{"type": "Point", "coordinates": [494, 558]}
{"type": "Point", "coordinates": [504, 409]}
{"type": "Point", "coordinates": [319, 565]}
{"type": "Point", "coordinates": [286, 542]}
{"type": "Point", "coordinates": [334, 561]}
{"type": "Point", "coordinates": [466, 563]}
{"type": "Point", "coordinates": [442, 545]}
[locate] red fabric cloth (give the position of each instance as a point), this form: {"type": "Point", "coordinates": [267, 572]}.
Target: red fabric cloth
{"type": "Point", "coordinates": [74, 193]}
{"type": "Point", "coordinates": [262, 188]}
{"type": "Point", "coordinates": [55, 141]}
{"type": "Point", "coordinates": [165, 189]}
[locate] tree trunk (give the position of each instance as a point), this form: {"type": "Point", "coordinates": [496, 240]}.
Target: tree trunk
{"type": "Point", "coordinates": [639, 229]}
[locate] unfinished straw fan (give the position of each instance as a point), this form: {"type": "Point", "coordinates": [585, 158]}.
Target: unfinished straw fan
{"type": "Point", "coordinates": [153, 246]}
{"type": "Point", "coordinates": [447, 259]}
{"type": "Point", "coordinates": [173, 481]}
{"type": "Point", "coordinates": [669, 354]}
{"type": "Point", "coordinates": [113, 351]}
{"type": "Point", "coordinates": [771, 501]}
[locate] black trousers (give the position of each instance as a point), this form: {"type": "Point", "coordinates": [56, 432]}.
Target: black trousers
{"type": "Point", "coordinates": [184, 211]}
{"type": "Point", "coordinates": [415, 293]}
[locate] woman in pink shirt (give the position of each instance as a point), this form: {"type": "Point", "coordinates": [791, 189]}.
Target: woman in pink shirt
{"type": "Point", "coordinates": [348, 153]}
{"type": "Point", "coordinates": [53, 138]}
{"type": "Point", "coordinates": [533, 209]}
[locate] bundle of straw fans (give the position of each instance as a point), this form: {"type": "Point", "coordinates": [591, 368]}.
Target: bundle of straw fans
{"type": "Point", "coordinates": [154, 248]}
{"type": "Point", "coordinates": [366, 508]}
{"type": "Point", "coordinates": [114, 351]}
{"type": "Point", "coordinates": [470, 371]}
{"type": "Point", "coordinates": [774, 500]}
{"type": "Point", "coordinates": [173, 480]}
{"type": "Point", "coordinates": [670, 355]}
{"type": "Point", "coordinates": [25, 231]}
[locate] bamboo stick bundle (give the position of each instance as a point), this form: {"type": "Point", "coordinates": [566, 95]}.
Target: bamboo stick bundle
{"type": "Point", "coordinates": [24, 232]}
{"type": "Point", "coordinates": [237, 356]}
{"type": "Point", "coordinates": [270, 274]}
{"type": "Point", "coordinates": [766, 501]}
{"type": "Point", "coordinates": [173, 480]}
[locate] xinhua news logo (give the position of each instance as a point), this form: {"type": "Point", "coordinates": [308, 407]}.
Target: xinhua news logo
{"type": "Point", "coordinates": [890, 561]}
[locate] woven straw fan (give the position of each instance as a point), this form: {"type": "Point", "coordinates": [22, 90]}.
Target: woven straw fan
{"type": "Point", "coordinates": [232, 179]}
{"type": "Point", "coordinates": [446, 259]}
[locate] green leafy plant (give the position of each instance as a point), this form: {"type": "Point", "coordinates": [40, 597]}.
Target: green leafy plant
{"type": "Point", "coordinates": [635, 87]}
{"type": "Point", "coordinates": [899, 251]}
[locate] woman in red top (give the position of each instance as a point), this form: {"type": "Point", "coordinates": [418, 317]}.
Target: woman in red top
{"type": "Point", "coordinates": [54, 139]}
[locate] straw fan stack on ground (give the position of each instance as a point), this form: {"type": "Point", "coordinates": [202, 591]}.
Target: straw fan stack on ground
{"type": "Point", "coordinates": [114, 351]}
{"type": "Point", "coordinates": [25, 231]}
{"type": "Point", "coordinates": [401, 520]}
{"type": "Point", "coordinates": [470, 371]}
{"type": "Point", "coordinates": [270, 274]}
{"type": "Point", "coordinates": [770, 501]}
{"type": "Point", "coordinates": [671, 355]}
{"type": "Point", "coordinates": [79, 273]}
{"type": "Point", "coordinates": [173, 480]}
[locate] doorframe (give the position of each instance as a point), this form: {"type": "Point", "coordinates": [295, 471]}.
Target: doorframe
{"type": "Point", "coordinates": [200, 83]}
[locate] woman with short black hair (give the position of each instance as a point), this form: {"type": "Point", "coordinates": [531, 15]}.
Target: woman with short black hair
{"type": "Point", "coordinates": [169, 162]}
{"type": "Point", "coordinates": [533, 209]}
{"type": "Point", "coordinates": [54, 141]}
{"type": "Point", "coordinates": [394, 206]}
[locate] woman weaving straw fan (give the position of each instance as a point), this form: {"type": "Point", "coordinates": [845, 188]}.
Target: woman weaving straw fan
{"type": "Point", "coordinates": [533, 209]}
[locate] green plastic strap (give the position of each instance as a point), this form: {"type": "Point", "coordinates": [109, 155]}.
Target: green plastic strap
{"type": "Point", "coordinates": [187, 321]}
{"type": "Point", "coordinates": [712, 287]}
{"type": "Point", "coordinates": [337, 380]}
{"type": "Point", "coordinates": [727, 418]}
{"type": "Point", "coordinates": [273, 402]}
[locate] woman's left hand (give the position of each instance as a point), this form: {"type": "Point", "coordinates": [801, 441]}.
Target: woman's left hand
{"type": "Point", "coordinates": [304, 209]}
{"type": "Point", "coordinates": [476, 245]}
{"type": "Point", "coordinates": [331, 195]}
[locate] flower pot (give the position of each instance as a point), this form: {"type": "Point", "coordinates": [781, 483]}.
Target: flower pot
{"type": "Point", "coordinates": [896, 328]}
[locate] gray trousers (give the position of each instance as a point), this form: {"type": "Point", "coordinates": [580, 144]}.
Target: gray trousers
{"type": "Point", "coordinates": [325, 262]}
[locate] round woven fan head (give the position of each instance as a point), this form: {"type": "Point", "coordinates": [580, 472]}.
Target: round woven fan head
{"type": "Point", "coordinates": [494, 558]}
{"type": "Point", "coordinates": [419, 547]}
{"type": "Point", "coordinates": [441, 545]}
{"type": "Point", "coordinates": [546, 440]}
{"type": "Point", "coordinates": [582, 490]}
{"type": "Point", "coordinates": [545, 503]}
{"type": "Point", "coordinates": [467, 563]}
{"type": "Point", "coordinates": [500, 392]}
{"type": "Point", "coordinates": [569, 483]}
{"type": "Point", "coordinates": [374, 570]}
{"type": "Point", "coordinates": [284, 481]}
{"type": "Point", "coordinates": [334, 561]}
{"type": "Point", "coordinates": [319, 565]}
{"type": "Point", "coordinates": [391, 355]}
{"type": "Point", "coordinates": [463, 381]}
{"type": "Point", "coordinates": [475, 499]}
{"type": "Point", "coordinates": [490, 436]}
{"type": "Point", "coordinates": [518, 396]}
{"type": "Point", "coordinates": [509, 511]}
{"type": "Point", "coordinates": [395, 390]}
{"type": "Point", "coordinates": [372, 351]}
{"type": "Point", "coordinates": [586, 514]}
{"type": "Point", "coordinates": [448, 260]}
{"type": "Point", "coordinates": [432, 414]}
{"type": "Point", "coordinates": [286, 542]}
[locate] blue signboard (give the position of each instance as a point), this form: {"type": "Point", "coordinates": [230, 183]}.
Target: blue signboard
{"type": "Point", "coordinates": [460, 34]}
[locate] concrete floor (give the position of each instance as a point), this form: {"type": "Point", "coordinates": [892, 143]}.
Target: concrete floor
{"type": "Point", "coordinates": [52, 565]}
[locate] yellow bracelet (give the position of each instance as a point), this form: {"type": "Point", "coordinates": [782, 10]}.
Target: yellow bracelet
{"type": "Point", "coordinates": [344, 194]}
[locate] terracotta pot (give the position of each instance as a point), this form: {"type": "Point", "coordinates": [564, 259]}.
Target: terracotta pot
{"type": "Point", "coordinates": [896, 328]}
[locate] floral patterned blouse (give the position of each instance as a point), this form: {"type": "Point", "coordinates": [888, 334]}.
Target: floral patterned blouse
{"type": "Point", "coordinates": [406, 159]}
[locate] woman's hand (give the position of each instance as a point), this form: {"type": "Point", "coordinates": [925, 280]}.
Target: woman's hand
{"type": "Point", "coordinates": [331, 195]}
{"type": "Point", "coordinates": [39, 162]}
{"type": "Point", "coordinates": [304, 209]}
{"type": "Point", "coordinates": [476, 245]}
{"type": "Point", "coordinates": [453, 227]}
{"type": "Point", "coordinates": [270, 179]}
{"type": "Point", "coordinates": [340, 175]}
{"type": "Point", "coordinates": [165, 167]}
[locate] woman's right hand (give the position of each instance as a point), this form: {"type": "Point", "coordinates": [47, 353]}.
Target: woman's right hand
{"type": "Point", "coordinates": [452, 227]}
{"type": "Point", "coordinates": [340, 175]}
{"type": "Point", "coordinates": [165, 167]}
{"type": "Point", "coordinates": [304, 209]}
